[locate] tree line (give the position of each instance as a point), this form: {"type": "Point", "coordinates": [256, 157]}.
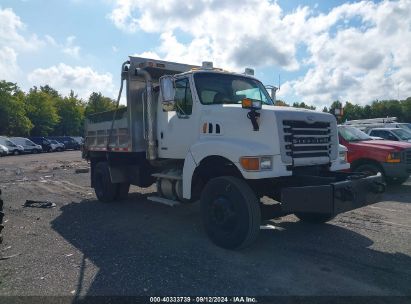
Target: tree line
{"type": "Point", "coordinates": [377, 109]}
{"type": "Point", "coordinates": [44, 111]}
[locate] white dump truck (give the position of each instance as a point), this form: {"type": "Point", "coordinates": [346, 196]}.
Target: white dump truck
{"type": "Point", "coordinates": [202, 133]}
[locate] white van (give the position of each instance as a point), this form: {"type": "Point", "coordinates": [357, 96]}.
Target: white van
{"type": "Point", "coordinates": [13, 148]}
{"type": "Point", "coordinates": [28, 145]}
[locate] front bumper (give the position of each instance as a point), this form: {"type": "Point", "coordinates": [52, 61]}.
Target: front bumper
{"type": "Point", "coordinates": [333, 194]}
{"type": "Point", "coordinates": [396, 169]}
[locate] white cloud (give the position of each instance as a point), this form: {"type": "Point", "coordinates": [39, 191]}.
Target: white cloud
{"type": "Point", "coordinates": [82, 80]}
{"type": "Point", "coordinates": [11, 33]}
{"type": "Point", "coordinates": [230, 33]}
{"type": "Point", "coordinates": [8, 64]}
{"type": "Point", "coordinates": [13, 41]}
{"type": "Point", "coordinates": [359, 63]}
{"type": "Point", "coordinates": [357, 51]}
{"type": "Point", "coordinates": [70, 48]}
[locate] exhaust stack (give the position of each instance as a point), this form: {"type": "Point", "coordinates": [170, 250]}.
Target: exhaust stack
{"type": "Point", "coordinates": [151, 153]}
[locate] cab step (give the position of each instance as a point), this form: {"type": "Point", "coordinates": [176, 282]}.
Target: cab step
{"type": "Point", "coordinates": [163, 200]}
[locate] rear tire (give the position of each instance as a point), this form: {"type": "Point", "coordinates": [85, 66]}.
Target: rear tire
{"type": "Point", "coordinates": [105, 190]}
{"type": "Point", "coordinates": [122, 191]}
{"type": "Point", "coordinates": [314, 218]}
{"type": "Point", "coordinates": [231, 212]}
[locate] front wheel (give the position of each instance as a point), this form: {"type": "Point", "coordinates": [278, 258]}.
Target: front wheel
{"type": "Point", "coordinates": [314, 218]}
{"type": "Point", "coordinates": [231, 212]}
{"type": "Point", "coordinates": [396, 181]}
{"type": "Point", "coordinates": [368, 169]}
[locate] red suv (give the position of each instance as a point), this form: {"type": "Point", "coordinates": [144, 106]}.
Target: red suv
{"type": "Point", "coordinates": [391, 158]}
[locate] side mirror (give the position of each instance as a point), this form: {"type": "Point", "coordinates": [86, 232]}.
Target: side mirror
{"type": "Point", "coordinates": [167, 89]}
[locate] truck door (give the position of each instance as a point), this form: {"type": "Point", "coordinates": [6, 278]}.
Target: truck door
{"type": "Point", "coordinates": [177, 130]}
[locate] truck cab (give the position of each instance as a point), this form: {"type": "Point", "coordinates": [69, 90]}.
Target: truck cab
{"type": "Point", "coordinates": [202, 133]}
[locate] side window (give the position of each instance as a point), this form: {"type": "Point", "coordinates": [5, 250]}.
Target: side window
{"type": "Point", "coordinates": [391, 136]}
{"type": "Point", "coordinates": [377, 133]}
{"type": "Point", "coordinates": [183, 98]}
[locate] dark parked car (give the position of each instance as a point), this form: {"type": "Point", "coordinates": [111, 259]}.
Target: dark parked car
{"type": "Point", "coordinates": [68, 141]}
{"type": "Point", "coordinates": [42, 141]}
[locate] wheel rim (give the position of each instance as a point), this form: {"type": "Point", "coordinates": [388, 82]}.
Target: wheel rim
{"type": "Point", "coordinates": [16, 152]}
{"type": "Point", "coordinates": [222, 215]}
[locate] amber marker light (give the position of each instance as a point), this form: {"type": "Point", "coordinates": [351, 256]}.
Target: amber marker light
{"type": "Point", "coordinates": [250, 163]}
{"type": "Point", "coordinates": [246, 103]}
{"type": "Point", "coordinates": [394, 157]}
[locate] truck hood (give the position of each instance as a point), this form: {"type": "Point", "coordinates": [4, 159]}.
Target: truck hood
{"type": "Point", "coordinates": [382, 144]}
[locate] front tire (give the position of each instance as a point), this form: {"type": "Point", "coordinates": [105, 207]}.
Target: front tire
{"type": "Point", "coordinates": [105, 190]}
{"type": "Point", "coordinates": [314, 218]}
{"type": "Point", "coordinates": [368, 169]}
{"type": "Point", "coordinates": [396, 181]}
{"type": "Point", "coordinates": [231, 212]}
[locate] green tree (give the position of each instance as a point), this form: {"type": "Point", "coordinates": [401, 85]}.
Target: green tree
{"type": "Point", "coordinates": [13, 119]}
{"type": "Point", "coordinates": [281, 103]}
{"type": "Point", "coordinates": [99, 103]}
{"type": "Point", "coordinates": [303, 105]}
{"type": "Point", "coordinates": [41, 111]}
{"type": "Point", "coordinates": [71, 112]}
{"type": "Point", "coordinates": [406, 109]}
{"type": "Point", "coordinates": [352, 111]}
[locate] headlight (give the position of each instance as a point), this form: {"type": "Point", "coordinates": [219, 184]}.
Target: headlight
{"type": "Point", "coordinates": [256, 163]}
{"type": "Point", "coordinates": [393, 157]}
{"type": "Point", "coordinates": [266, 163]}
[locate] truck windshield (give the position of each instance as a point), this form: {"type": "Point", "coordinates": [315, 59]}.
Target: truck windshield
{"type": "Point", "coordinates": [352, 134]}
{"type": "Point", "coordinates": [402, 134]}
{"type": "Point", "coordinates": [217, 88]}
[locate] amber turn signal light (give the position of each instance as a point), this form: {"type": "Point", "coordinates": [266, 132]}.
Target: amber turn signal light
{"type": "Point", "coordinates": [250, 163]}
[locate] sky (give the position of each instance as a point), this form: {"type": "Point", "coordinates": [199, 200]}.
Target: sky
{"type": "Point", "coordinates": [323, 50]}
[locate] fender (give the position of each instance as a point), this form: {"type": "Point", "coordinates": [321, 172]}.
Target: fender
{"type": "Point", "coordinates": [231, 149]}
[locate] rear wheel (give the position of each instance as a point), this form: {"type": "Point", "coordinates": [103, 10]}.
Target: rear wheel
{"type": "Point", "coordinates": [231, 212]}
{"type": "Point", "coordinates": [105, 190]}
{"type": "Point", "coordinates": [122, 191]}
{"type": "Point", "coordinates": [314, 218]}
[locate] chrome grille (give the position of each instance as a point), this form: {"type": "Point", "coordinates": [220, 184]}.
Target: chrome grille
{"type": "Point", "coordinates": [303, 139]}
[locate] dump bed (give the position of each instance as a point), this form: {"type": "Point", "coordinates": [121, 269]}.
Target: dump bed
{"type": "Point", "coordinates": [129, 129]}
{"type": "Point", "coordinates": [98, 127]}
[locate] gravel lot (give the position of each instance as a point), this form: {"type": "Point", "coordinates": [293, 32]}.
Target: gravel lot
{"type": "Point", "coordinates": [84, 247]}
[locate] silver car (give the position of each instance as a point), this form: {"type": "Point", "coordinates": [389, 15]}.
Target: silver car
{"type": "Point", "coordinates": [396, 134]}
{"type": "Point", "coordinates": [3, 150]}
